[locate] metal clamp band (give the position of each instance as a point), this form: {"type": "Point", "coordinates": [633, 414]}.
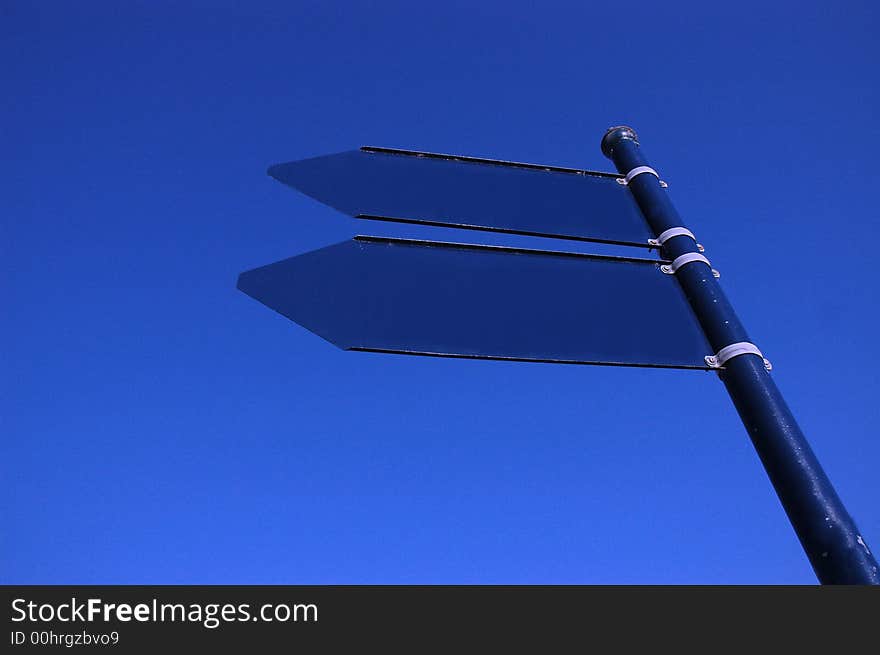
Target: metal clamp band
{"type": "Point", "coordinates": [674, 232]}
{"type": "Point", "coordinates": [687, 258]}
{"type": "Point", "coordinates": [671, 232]}
{"type": "Point", "coordinates": [734, 350]}
{"type": "Point", "coordinates": [638, 170]}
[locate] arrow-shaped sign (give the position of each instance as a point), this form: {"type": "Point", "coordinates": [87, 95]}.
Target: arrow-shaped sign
{"type": "Point", "coordinates": [466, 192]}
{"type": "Point", "coordinates": [488, 302]}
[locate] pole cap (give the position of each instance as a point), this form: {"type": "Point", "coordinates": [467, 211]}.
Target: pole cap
{"type": "Point", "coordinates": [615, 135]}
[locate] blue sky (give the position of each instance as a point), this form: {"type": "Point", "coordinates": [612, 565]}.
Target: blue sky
{"type": "Point", "coordinates": [159, 426]}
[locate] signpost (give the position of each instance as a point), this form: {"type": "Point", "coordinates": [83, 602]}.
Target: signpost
{"type": "Point", "coordinates": [490, 302]}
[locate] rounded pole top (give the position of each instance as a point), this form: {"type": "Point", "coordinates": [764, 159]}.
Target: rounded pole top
{"type": "Point", "coordinates": [615, 135]}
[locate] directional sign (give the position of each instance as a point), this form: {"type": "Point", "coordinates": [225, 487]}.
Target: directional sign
{"type": "Point", "coordinates": [492, 302]}
{"type": "Point", "coordinates": [465, 192]}
{"type": "Point", "coordinates": [428, 298]}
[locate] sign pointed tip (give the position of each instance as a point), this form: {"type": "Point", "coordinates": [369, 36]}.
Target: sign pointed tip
{"type": "Point", "coordinates": [240, 281]}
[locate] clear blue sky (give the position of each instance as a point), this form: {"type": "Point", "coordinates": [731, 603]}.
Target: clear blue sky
{"type": "Point", "coordinates": [159, 426]}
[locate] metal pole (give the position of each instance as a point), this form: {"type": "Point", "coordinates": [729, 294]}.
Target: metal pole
{"type": "Point", "coordinates": [827, 533]}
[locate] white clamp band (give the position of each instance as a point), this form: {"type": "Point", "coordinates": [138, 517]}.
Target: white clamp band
{"type": "Point", "coordinates": [674, 232]}
{"type": "Point", "coordinates": [638, 170]}
{"type": "Point", "coordinates": [687, 258]}
{"type": "Point", "coordinates": [671, 232]}
{"type": "Point", "coordinates": [734, 350]}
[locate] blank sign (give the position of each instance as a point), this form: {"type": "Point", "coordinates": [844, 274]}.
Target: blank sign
{"type": "Point", "coordinates": [463, 192]}
{"type": "Point", "coordinates": [458, 300]}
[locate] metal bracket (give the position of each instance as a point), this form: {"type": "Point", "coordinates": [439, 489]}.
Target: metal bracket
{"type": "Point", "coordinates": [687, 258]}
{"type": "Point", "coordinates": [674, 232]}
{"type": "Point", "coordinates": [734, 350]}
{"type": "Point", "coordinates": [638, 170]}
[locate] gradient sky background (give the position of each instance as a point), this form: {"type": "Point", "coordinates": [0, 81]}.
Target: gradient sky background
{"type": "Point", "coordinates": [159, 426]}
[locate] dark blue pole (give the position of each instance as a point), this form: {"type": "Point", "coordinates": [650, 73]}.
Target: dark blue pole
{"type": "Point", "coordinates": [827, 533]}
